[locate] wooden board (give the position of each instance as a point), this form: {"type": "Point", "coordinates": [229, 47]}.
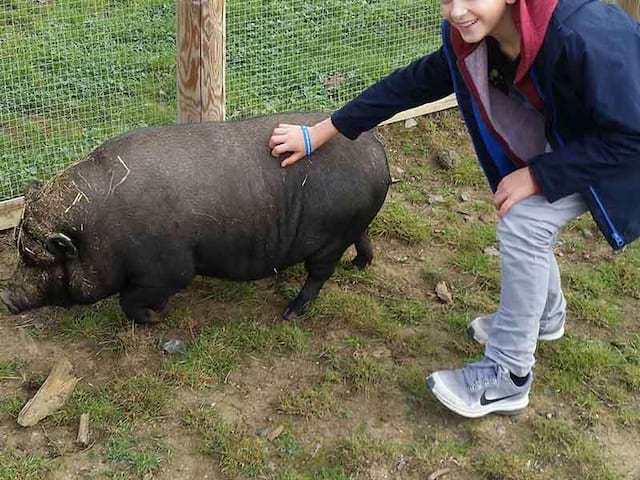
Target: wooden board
{"type": "Point", "coordinates": [200, 55]}
{"type": "Point", "coordinates": [11, 213]}
{"type": "Point", "coordinates": [447, 102]}
{"type": "Point", "coordinates": [632, 7]}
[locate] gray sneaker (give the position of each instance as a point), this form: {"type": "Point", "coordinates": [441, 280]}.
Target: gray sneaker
{"type": "Point", "coordinates": [479, 389]}
{"type": "Point", "coordinates": [479, 327]}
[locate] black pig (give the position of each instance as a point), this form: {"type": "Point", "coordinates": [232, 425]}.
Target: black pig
{"type": "Point", "coordinates": [148, 210]}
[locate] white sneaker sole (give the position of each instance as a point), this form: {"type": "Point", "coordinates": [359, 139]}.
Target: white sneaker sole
{"type": "Point", "coordinates": [444, 396]}
{"type": "Point", "coordinates": [473, 334]}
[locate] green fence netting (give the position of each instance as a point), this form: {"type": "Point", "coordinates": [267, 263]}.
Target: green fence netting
{"type": "Point", "coordinates": [76, 72]}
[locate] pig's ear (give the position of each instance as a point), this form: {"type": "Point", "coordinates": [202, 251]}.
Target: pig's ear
{"type": "Point", "coordinates": [59, 245]}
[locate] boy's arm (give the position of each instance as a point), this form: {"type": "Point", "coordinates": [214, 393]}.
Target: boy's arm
{"type": "Point", "coordinates": [425, 80]}
{"type": "Point", "coordinates": [605, 71]}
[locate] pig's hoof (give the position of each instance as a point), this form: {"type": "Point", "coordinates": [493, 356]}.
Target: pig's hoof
{"type": "Point", "coordinates": [359, 263]}
{"type": "Point", "coordinates": [294, 310]}
{"type": "Point", "coordinates": [289, 314]}
{"type": "Point", "coordinates": [146, 317]}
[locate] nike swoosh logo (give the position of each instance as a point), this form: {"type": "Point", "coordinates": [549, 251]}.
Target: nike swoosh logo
{"type": "Point", "coordinates": [484, 401]}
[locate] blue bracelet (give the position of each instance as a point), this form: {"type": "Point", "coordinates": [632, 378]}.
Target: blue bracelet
{"type": "Point", "coordinates": [307, 141]}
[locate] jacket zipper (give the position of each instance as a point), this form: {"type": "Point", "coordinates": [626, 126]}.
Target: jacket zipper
{"type": "Point", "coordinates": [617, 238]}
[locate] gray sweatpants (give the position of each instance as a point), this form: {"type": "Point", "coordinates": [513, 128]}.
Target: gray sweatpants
{"type": "Point", "coordinates": [530, 292]}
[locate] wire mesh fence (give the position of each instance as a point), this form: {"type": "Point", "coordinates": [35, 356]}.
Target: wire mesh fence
{"type": "Point", "coordinates": [76, 72]}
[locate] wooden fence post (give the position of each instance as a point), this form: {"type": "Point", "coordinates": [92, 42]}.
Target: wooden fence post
{"type": "Point", "coordinates": [632, 7]}
{"type": "Point", "coordinates": [200, 55]}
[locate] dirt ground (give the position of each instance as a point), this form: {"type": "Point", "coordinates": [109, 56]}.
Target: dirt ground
{"type": "Point", "coordinates": [251, 393]}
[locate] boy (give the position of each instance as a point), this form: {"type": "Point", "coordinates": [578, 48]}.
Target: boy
{"type": "Point", "coordinates": [550, 93]}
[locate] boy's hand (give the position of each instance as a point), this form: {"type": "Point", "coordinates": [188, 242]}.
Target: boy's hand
{"type": "Point", "coordinates": [514, 187]}
{"type": "Point", "coordinates": [288, 138]}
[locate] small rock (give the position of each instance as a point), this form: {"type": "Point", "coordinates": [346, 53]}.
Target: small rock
{"type": "Point", "coordinates": [174, 346]}
{"type": "Point", "coordinates": [549, 416]}
{"type": "Point", "coordinates": [492, 251]}
{"type": "Point", "coordinates": [410, 123]}
{"type": "Point", "coordinates": [271, 436]}
{"type": "Point", "coordinates": [447, 160]}
{"type": "Point", "coordinates": [401, 259]}
{"type": "Point", "coordinates": [398, 170]}
{"type": "Point", "coordinates": [401, 464]}
{"type": "Point", "coordinates": [464, 197]}
{"type": "Point", "coordinates": [262, 432]}
{"type": "Point", "coordinates": [435, 199]}
{"type": "Point", "coordinates": [442, 291]}
{"type": "Point", "coordinates": [586, 233]}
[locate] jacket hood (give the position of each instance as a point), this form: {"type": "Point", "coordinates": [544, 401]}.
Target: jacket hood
{"type": "Point", "coordinates": [532, 18]}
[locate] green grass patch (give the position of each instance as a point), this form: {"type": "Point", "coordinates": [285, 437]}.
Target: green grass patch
{"type": "Point", "coordinates": [359, 310]}
{"type": "Point", "coordinates": [502, 465]}
{"type": "Point", "coordinates": [10, 407]}
{"type": "Point", "coordinates": [356, 453]}
{"type": "Point", "coordinates": [309, 401]}
{"type": "Point", "coordinates": [240, 454]}
{"type": "Point", "coordinates": [561, 446]}
{"type": "Point", "coordinates": [23, 467]}
{"type": "Point", "coordinates": [9, 369]}
{"type": "Point", "coordinates": [119, 403]}
{"type": "Point", "coordinates": [396, 220]}
{"type": "Point", "coordinates": [409, 312]}
{"type": "Point", "coordinates": [134, 457]}
{"type": "Point", "coordinates": [101, 323]}
{"type": "Point", "coordinates": [220, 348]}
{"type": "Point", "coordinates": [593, 374]}
{"type": "Point", "coordinates": [360, 371]}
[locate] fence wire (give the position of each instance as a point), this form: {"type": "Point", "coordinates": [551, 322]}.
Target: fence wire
{"type": "Point", "coordinates": [76, 72]}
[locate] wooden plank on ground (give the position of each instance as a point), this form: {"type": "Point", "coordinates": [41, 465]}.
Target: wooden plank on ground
{"type": "Point", "coordinates": [11, 213]}
{"type": "Point", "coordinates": [632, 7]}
{"type": "Point", "coordinates": [443, 104]}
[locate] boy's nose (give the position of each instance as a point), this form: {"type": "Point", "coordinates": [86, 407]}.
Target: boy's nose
{"type": "Point", "coordinates": [458, 10]}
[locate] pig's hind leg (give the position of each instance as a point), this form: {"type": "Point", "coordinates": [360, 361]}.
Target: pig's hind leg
{"type": "Point", "coordinates": [320, 267]}
{"type": "Point", "coordinates": [364, 251]}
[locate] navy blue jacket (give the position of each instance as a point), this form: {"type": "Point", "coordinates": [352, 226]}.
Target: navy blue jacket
{"type": "Point", "coordinates": [587, 74]}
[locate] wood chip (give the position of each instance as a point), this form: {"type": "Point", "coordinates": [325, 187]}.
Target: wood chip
{"type": "Point", "coordinates": [410, 123]}
{"type": "Point", "coordinates": [84, 434]}
{"type": "Point", "coordinates": [442, 291]}
{"type": "Point", "coordinates": [439, 473]}
{"type": "Point", "coordinates": [52, 395]}
{"type": "Point", "coordinates": [273, 434]}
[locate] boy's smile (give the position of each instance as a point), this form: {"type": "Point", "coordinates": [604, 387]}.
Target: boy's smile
{"type": "Point", "coordinates": [477, 19]}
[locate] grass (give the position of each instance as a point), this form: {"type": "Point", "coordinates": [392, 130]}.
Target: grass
{"type": "Point", "coordinates": [220, 348]}
{"type": "Point", "coordinates": [120, 403]}
{"type": "Point", "coordinates": [133, 458]}
{"type": "Point", "coordinates": [240, 455]}
{"type": "Point", "coordinates": [22, 467]}
{"type": "Point", "coordinates": [399, 221]}
{"type": "Point", "coordinates": [349, 377]}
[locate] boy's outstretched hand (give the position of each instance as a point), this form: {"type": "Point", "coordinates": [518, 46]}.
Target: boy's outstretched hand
{"type": "Point", "coordinates": [514, 187]}
{"type": "Point", "coordinates": [289, 138]}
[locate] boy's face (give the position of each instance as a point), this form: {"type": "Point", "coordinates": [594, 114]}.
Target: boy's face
{"type": "Point", "coordinates": [475, 19]}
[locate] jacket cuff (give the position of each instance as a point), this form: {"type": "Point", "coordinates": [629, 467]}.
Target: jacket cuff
{"type": "Point", "coordinates": [342, 125]}
{"type": "Point", "coordinates": [546, 185]}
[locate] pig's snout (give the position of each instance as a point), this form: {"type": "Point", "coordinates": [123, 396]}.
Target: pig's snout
{"type": "Point", "coordinates": [5, 296]}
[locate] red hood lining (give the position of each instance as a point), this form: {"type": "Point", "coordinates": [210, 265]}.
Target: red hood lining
{"type": "Point", "coordinates": [532, 20]}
